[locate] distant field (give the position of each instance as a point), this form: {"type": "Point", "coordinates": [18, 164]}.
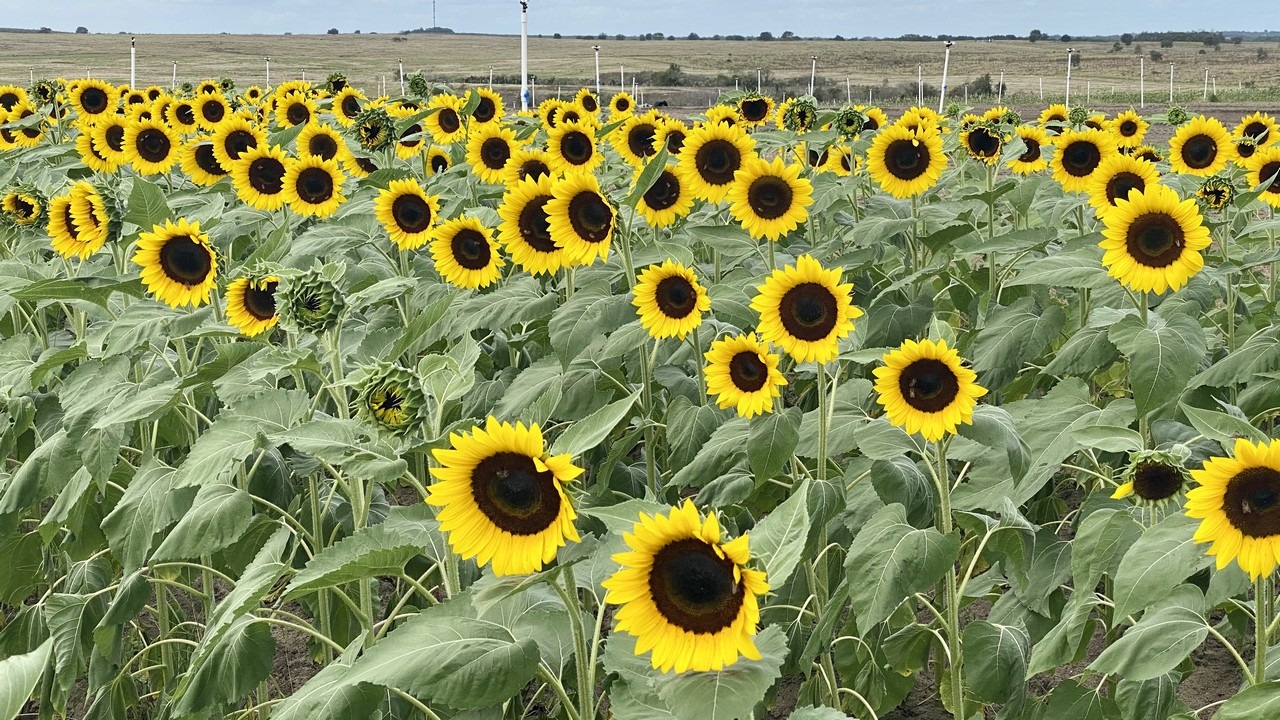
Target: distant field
{"type": "Point", "coordinates": [887, 68]}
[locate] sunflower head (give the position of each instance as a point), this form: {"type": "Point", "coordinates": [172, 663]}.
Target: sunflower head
{"type": "Point", "coordinates": [983, 143]}
{"type": "Point", "coordinates": [801, 115]}
{"type": "Point", "coordinates": [1154, 477]}
{"type": "Point", "coordinates": [1033, 159]}
{"type": "Point", "coordinates": [755, 109]}
{"type": "Point", "coordinates": [669, 300]}
{"type": "Point", "coordinates": [1079, 154]}
{"type": "Point", "coordinates": [805, 310]}
{"type": "Point", "coordinates": [1115, 177]}
{"type": "Point", "coordinates": [311, 301]}
{"type": "Point", "coordinates": [335, 83]}
{"type": "Point", "coordinates": [688, 596]}
{"type": "Point", "coordinates": [489, 150]}
{"type": "Point", "coordinates": [374, 129]}
{"type": "Point", "coordinates": [407, 213]}
{"type": "Point", "coordinates": [465, 253]}
{"type": "Point", "coordinates": [1216, 192]}
{"type": "Point", "coordinates": [1238, 504]}
{"type": "Point", "coordinates": [525, 231]}
{"type": "Point", "coordinates": [251, 303]}
{"type": "Point", "coordinates": [22, 205]}
{"type": "Point", "coordinates": [770, 199]}
{"type": "Point", "coordinates": [1201, 147]}
{"type": "Point", "coordinates": [742, 373]}
{"type": "Point", "coordinates": [1264, 171]}
{"type": "Point", "coordinates": [581, 219]}
{"type": "Point", "coordinates": [313, 186]}
{"type": "Point", "coordinates": [178, 263]}
{"type": "Point", "coordinates": [1153, 240]}
{"type": "Point", "coordinates": [1177, 115]}
{"type": "Point", "coordinates": [848, 122]}
{"type": "Point", "coordinates": [710, 158]}
{"type": "Point", "coordinates": [1259, 127]}
{"type": "Point", "coordinates": [905, 162]}
{"type": "Point", "coordinates": [389, 397]}
{"type": "Point", "coordinates": [1147, 152]}
{"type": "Point", "coordinates": [925, 387]}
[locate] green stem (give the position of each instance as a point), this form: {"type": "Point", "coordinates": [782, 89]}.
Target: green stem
{"type": "Point", "coordinates": [569, 596]}
{"type": "Point", "coordinates": [1264, 608]}
{"type": "Point", "coordinates": [553, 682]}
{"type": "Point", "coordinates": [646, 399]}
{"type": "Point", "coordinates": [955, 665]}
{"type": "Point", "coordinates": [697, 362]}
{"type": "Point", "coordinates": [317, 533]}
{"type": "Point", "coordinates": [824, 422]}
{"type": "Point", "coordinates": [162, 625]}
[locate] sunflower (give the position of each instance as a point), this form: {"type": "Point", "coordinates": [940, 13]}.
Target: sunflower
{"type": "Point", "coordinates": [525, 230]}
{"type": "Point", "coordinates": [502, 498]}
{"type": "Point", "coordinates": [779, 115]}
{"type": "Point", "coordinates": [90, 156]}
{"type": "Point", "coordinates": [621, 105]}
{"type": "Point", "coordinates": [320, 140]}
{"type": "Point", "coordinates": [1202, 147]}
{"type": "Point", "coordinates": [571, 148]}
{"type": "Point", "coordinates": [251, 304]}
{"type": "Point", "coordinates": [93, 97]}
{"type": "Point", "coordinates": [294, 109]}
{"type": "Point", "coordinates": [526, 163]}
{"type": "Point", "coordinates": [1079, 154]}
{"type": "Point", "coordinates": [258, 177]}
{"type": "Point", "coordinates": [906, 163]}
{"type": "Point", "coordinates": [1115, 177]}
{"type": "Point", "coordinates": [769, 199]}
{"type": "Point", "coordinates": [311, 301]}
{"type": "Point", "coordinates": [465, 254]}
{"type": "Point", "coordinates": [409, 141]}
{"type": "Point", "coordinates": [723, 114]}
{"type": "Point", "coordinates": [1053, 118]}
{"type": "Point", "coordinates": [1128, 128]}
{"type": "Point", "coordinates": [407, 213]}
{"type": "Point", "coordinates": [74, 228]}
{"type": "Point", "coordinates": [969, 121]}
{"type": "Point", "coordinates": [489, 109]}
{"type": "Point", "coordinates": [235, 136]}
{"type": "Point", "coordinates": [198, 161]}
{"type": "Point", "coordinates": [671, 134]}
{"type": "Point", "coordinates": [801, 116]}
{"type": "Point", "coordinates": [313, 186]}
{"type": "Point", "coordinates": [923, 119]}
{"type": "Point", "coordinates": [178, 264]}
{"type": "Point", "coordinates": [1262, 128]}
{"type": "Point", "coordinates": [489, 150]}
{"type": "Point", "coordinates": [549, 111]}
{"type": "Point", "coordinates": [211, 109]}
{"type": "Point", "coordinates": [11, 95]}
{"type": "Point", "coordinates": [1148, 153]}
{"type": "Point", "coordinates": [873, 118]}
{"type": "Point", "coordinates": [925, 388]}
{"type": "Point", "coordinates": [347, 104]}
{"type": "Point", "coordinates": [1238, 504]}
{"type": "Point", "coordinates": [743, 374]}
{"type": "Point", "coordinates": [389, 397]}
{"type": "Point", "coordinates": [154, 92]}
{"type": "Point", "coordinates": [1245, 148]}
{"type": "Point", "coordinates": [150, 147]}
{"type": "Point", "coordinates": [669, 300]}
{"type": "Point", "coordinates": [1033, 159]}
{"type": "Point", "coordinates": [755, 109]}
{"type": "Point", "coordinates": [108, 137]}
{"type": "Point", "coordinates": [1216, 192]}
{"type": "Point", "coordinates": [686, 595]}
{"type": "Point", "coordinates": [445, 125]}
{"type": "Point", "coordinates": [633, 139]}
{"type": "Point", "coordinates": [580, 219]}
{"type": "Point", "coordinates": [1263, 168]}
{"type": "Point", "coordinates": [23, 208]}
{"type": "Point", "coordinates": [805, 310]}
{"type": "Point", "coordinates": [252, 95]}
{"type": "Point", "coordinates": [180, 115]}
{"type": "Point", "coordinates": [983, 143]}
{"type": "Point", "coordinates": [710, 158]}
{"type": "Point", "coordinates": [667, 199]}
{"type": "Point", "coordinates": [1153, 478]}
{"type": "Point", "coordinates": [1153, 240]}
{"type": "Point", "coordinates": [438, 160]}
{"type": "Point", "coordinates": [208, 87]}
{"type": "Point", "coordinates": [588, 101]}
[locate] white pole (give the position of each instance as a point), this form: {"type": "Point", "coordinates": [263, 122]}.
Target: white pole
{"type": "Point", "coordinates": [1142, 82]}
{"type": "Point", "coordinates": [735, 85]}
{"type": "Point", "coordinates": [813, 74]}
{"type": "Point", "coordinates": [268, 70]}
{"type": "Point", "coordinates": [597, 49]}
{"type": "Point", "coordinates": [1041, 88]}
{"type": "Point", "coordinates": [1000, 89]}
{"type": "Point", "coordinates": [384, 84]}
{"type": "Point", "coordinates": [174, 84]}
{"type": "Point", "coordinates": [524, 55]}
{"type": "Point", "coordinates": [946, 61]}
{"type": "Point", "coordinates": [919, 86]}
{"type": "Point", "coordinates": [1171, 83]}
{"type": "Point", "coordinates": [1215, 84]}
{"type": "Point", "coordinates": [869, 101]}
{"type": "Point", "coordinates": [966, 94]}
{"type": "Point", "coordinates": [1088, 91]}
{"type": "Point", "coordinates": [304, 75]}
{"type": "Point", "coordinates": [759, 78]}
{"type": "Point", "coordinates": [635, 87]}
{"type": "Point", "coordinates": [401, 61]}
{"type": "Point", "coordinates": [490, 77]}
{"type": "Point", "coordinates": [32, 72]}
{"type": "Point", "coordinates": [533, 90]}
{"type": "Point", "coordinates": [1206, 83]}
{"type": "Point", "coordinates": [848, 89]}
{"type": "Point", "coordinates": [622, 78]}
{"type": "Point", "coordinates": [1067, 102]}
{"type": "Point", "coordinates": [133, 63]}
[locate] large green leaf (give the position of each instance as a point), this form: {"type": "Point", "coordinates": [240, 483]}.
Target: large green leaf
{"type": "Point", "coordinates": [1161, 640]}
{"type": "Point", "coordinates": [593, 429]}
{"type": "Point", "coordinates": [995, 661]}
{"type": "Point", "coordinates": [778, 541]}
{"type": "Point", "coordinates": [241, 659]}
{"type": "Point", "coordinates": [70, 619]}
{"type": "Point", "coordinates": [1254, 703]}
{"type": "Point", "coordinates": [1162, 357]}
{"type": "Point", "coordinates": [348, 444]}
{"type": "Point", "coordinates": [18, 677]}
{"type": "Point", "coordinates": [147, 205]}
{"type": "Point", "coordinates": [725, 447]}
{"type": "Point", "coordinates": [995, 428]}
{"type": "Point", "coordinates": [141, 513]}
{"type": "Point", "coordinates": [1101, 541]}
{"type": "Point", "coordinates": [1067, 641]}
{"type": "Point", "coordinates": [217, 518]}
{"type": "Point", "coordinates": [1157, 562]}
{"type": "Point", "coordinates": [382, 549]}
{"type": "Point", "coordinates": [730, 693]}
{"type": "Point", "coordinates": [1014, 335]}
{"type": "Point", "coordinates": [590, 314]}
{"type": "Point", "coordinates": [890, 560]}
{"type": "Point", "coordinates": [328, 695]}
{"type": "Point", "coordinates": [772, 440]}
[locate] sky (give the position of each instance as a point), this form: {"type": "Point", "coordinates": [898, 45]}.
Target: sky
{"type": "Point", "coordinates": [850, 18]}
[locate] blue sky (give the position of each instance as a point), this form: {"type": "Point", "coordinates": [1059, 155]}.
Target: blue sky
{"type": "Point", "coordinates": [850, 18]}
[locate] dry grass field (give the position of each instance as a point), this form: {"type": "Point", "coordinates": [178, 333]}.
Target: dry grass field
{"type": "Point", "coordinates": [884, 67]}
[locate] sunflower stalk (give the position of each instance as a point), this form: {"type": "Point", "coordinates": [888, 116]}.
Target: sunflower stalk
{"type": "Point", "coordinates": [1264, 608]}
{"type": "Point", "coordinates": [955, 661]}
{"type": "Point", "coordinates": [572, 603]}
{"type": "Point", "coordinates": [317, 533]}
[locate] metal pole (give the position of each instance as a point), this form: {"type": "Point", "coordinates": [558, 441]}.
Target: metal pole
{"type": "Point", "coordinates": [848, 89]}
{"type": "Point", "coordinates": [268, 70]}
{"type": "Point", "coordinates": [919, 86]}
{"type": "Point", "coordinates": [759, 78]}
{"type": "Point", "coordinates": [1088, 91]}
{"type": "Point", "coordinates": [1067, 102]}
{"type": "Point", "coordinates": [1171, 83]}
{"type": "Point", "coordinates": [622, 78]}
{"type": "Point", "coordinates": [174, 84]}
{"type": "Point", "coordinates": [1142, 82]}
{"type": "Point", "coordinates": [1041, 88]}
{"type": "Point", "coordinates": [133, 63]}
{"type": "Point", "coordinates": [32, 71]}
{"type": "Point", "coordinates": [1000, 89]}
{"type": "Point", "coordinates": [401, 61]}
{"type": "Point", "coordinates": [1215, 85]}
{"type": "Point", "coordinates": [524, 55]}
{"type": "Point", "coordinates": [597, 49]}
{"type": "Point", "coordinates": [813, 74]}
{"type": "Point", "coordinates": [490, 77]}
{"type": "Point", "coordinates": [946, 61]}
{"type": "Point", "coordinates": [1206, 83]}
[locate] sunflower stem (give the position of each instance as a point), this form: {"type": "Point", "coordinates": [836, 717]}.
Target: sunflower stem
{"type": "Point", "coordinates": [823, 422]}
{"type": "Point", "coordinates": [317, 533]}
{"type": "Point", "coordinates": [569, 596]}
{"type": "Point", "coordinates": [1264, 608]}
{"type": "Point", "coordinates": [955, 662]}
{"type": "Point", "coordinates": [697, 361]}
{"type": "Point", "coordinates": [646, 393]}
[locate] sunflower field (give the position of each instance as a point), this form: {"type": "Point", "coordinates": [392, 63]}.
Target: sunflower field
{"type": "Point", "coordinates": [316, 405]}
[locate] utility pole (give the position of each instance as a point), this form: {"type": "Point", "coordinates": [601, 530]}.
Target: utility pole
{"type": "Point", "coordinates": [175, 71]}
{"type": "Point", "coordinates": [524, 54]}
{"type": "Point", "coordinates": [1170, 83]}
{"type": "Point", "coordinates": [1142, 82]}
{"type": "Point", "coordinates": [597, 49]}
{"type": "Point", "coordinates": [813, 74]}
{"type": "Point", "coordinates": [133, 63]}
{"type": "Point", "coordinates": [946, 61]}
{"type": "Point", "coordinates": [1067, 101]}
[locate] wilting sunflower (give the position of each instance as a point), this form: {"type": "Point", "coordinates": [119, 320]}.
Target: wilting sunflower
{"type": "Point", "coordinates": [445, 125]}
{"type": "Point", "coordinates": [320, 140]}
{"type": "Point", "coordinates": [633, 139]}
{"type": "Point", "coordinates": [1216, 192]}
{"type": "Point", "coordinates": [724, 115]}
{"type": "Point", "coordinates": [1153, 478]}
{"type": "Point", "coordinates": [525, 231]}
{"type": "Point", "coordinates": [1238, 504]}
{"type": "Point", "coordinates": [1079, 154]}
{"type": "Point", "coordinates": [580, 219]}
{"type": "Point", "coordinates": [313, 186]}
{"type": "Point", "coordinates": [1033, 159]}
{"type": "Point", "coordinates": [93, 97]}
{"type": "Point", "coordinates": [1263, 169]}
{"type": "Point", "coordinates": [89, 154]}
{"type": "Point", "coordinates": [1202, 147]}
{"type": "Point", "coordinates": [294, 109]}
{"type": "Point", "coordinates": [389, 397]}
{"type": "Point", "coordinates": [235, 136]}
{"type": "Point", "coordinates": [925, 388]}
{"type": "Point", "coordinates": [1115, 177]}
{"type": "Point", "coordinates": [588, 101]}
{"type": "Point", "coordinates": [502, 498]}
{"type": "Point", "coordinates": [1054, 118]}
{"type": "Point", "coordinates": [666, 201]}
{"type": "Point", "coordinates": [258, 177]}
{"type": "Point", "coordinates": [1153, 240]}
{"type": "Point", "coordinates": [1128, 128]}
{"type": "Point", "coordinates": [983, 143]}
{"type": "Point", "coordinates": [769, 199]}
{"type": "Point", "coordinates": [571, 148]}
{"type": "Point", "coordinates": [800, 116]}
{"type": "Point", "coordinates": [407, 213]}
{"type": "Point", "coordinates": [347, 105]}
{"type": "Point", "coordinates": [1245, 148]}
{"type": "Point", "coordinates": [211, 109]}
{"type": "Point", "coordinates": [1260, 127]}
{"type": "Point", "coordinates": [180, 115]}
{"type": "Point", "coordinates": [23, 208]}
{"type": "Point", "coordinates": [621, 105]}
{"type": "Point", "coordinates": [178, 264]}
{"type": "Point", "coordinates": [710, 158]}
{"type": "Point", "coordinates": [805, 310]}
{"type": "Point", "coordinates": [489, 150]}
{"type": "Point", "coordinates": [526, 163]}
{"type": "Point", "coordinates": [755, 109]}
{"type": "Point", "coordinates": [669, 300]}
{"type": "Point", "coordinates": [465, 254]}
{"type": "Point", "coordinates": [374, 129]}
{"type": "Point", "coordinates": [489, 109]}
{"type": "Point", "coordinates": [906, 163]}
{"type": "Point", "coordinates": [251, 304]}
{"type": "Point", "coordinates": [742, 374]}
{"type": "Point", "coordinates": [686, 595]}
{"type": "Point", "coordinates": [108, 137]}
{"type": "Point", "coordinates": [198, 161]}
{"type": "Point", "coordinates": [150, 147]}
{"type": "Point", "coordinates": [671, 134]}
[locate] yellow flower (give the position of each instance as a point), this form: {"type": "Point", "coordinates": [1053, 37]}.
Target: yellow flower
{"type": "Point", "coordinates": [178, 264]}
{"type": "Point", "coordinates": [769, 198]}
{"type": "Point", "coordinates": [670, 300]}
{"type": "Point", "coordinates": [742, 374]}
{"type": "Point", "coordinates": [924, 387]}
{"type": "Point", "coordinates": [1153, 240]}
{"type": "Point", "coordinates": [805, 310]}
{"type": "Point", "coordinates": [1238, 504]}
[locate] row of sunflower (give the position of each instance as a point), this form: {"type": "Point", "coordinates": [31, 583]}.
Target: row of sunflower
{"type": "Point", "coordinates": [306, 208]}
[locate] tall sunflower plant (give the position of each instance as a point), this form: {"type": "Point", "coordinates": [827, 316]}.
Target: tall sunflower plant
{"type": "Point", "coordinates": [603, 412]}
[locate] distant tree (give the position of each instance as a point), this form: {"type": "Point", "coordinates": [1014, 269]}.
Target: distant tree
{"type": "Point", "coordinates": [1116, 47]}
{"type": "Point", "coordinates": [694, 36]}
{"type": "Point", "coordinates": [788, 35]}
{"type": "Point", "coordinates": [1262, 54]}
{"type": "Point", "coordinates": [1237, 40]}
{"type": "Point", "coordinates": [1065, 38]}
{"type": "Point", "coordinates": [556, 36]}
{"type": "Point", "coordinates": [46, 30]}
{"type": "Point", "coordinates": [355, 32]}
{"type": "Point", "coordinates": [1127, 38]}
{"type": "Point", "coordinates": [838, 37]}
{"type": "Point", "coordinates": [333, 31]}
{"type": "Point", "coordinates": [766, 35]}
{"type": "Point", "coordinates": [1157, 56]}
{"type": "Point", "coordinates": [1035, 35]}
{"type": "Point", "coordinates": [602, 36]}
{"type": "Point", "coordinates": [619, 36]}
{"type": "Point", "coordinates": [1166, 43]}
{"type": "Point", "coordinates": [82, 30]}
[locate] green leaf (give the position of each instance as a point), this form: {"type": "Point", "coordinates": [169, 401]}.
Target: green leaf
{"type": "Point", "coordinates": [724, 448]}
{"type": "Point", "coordinates": [995, 661]}
{"type": "Point", "coordinates": [217, 518]}
{"type": "Point", "coordinates": [1070, 701]}
{"type": "Point", "coordinates": [1087, 352]}
{"type": "Point", "coordinates": [345, 443]}
{"type": "Point", "coordinates": [233, 668]}
{"type": "Point", "coordinates": [1075, 269]}
{"type": "Point", "coordinates": [70, 619]}
{"type": "Point", "coordinates": [771, 441]}
{"type": "Point", "coordinates": [1161, 640]}
{"type": "Point", "coordinates": [890, 561]}
{"type": "Point", "coordinates": [1254, 703]}
{"type": "Point", "coordinates": [518, 301]}
{"type": "Point", "coordinates": [1162, 357]}
{"type": "Point", "coordinates": [1157, 562]}
{"type": "Point", "coordinates": [140, 514]}
{"type": "Point", "coordinates": [1108, 438]}
{"type": "Point", "coordinates": [1067, 642]}
{"type": "Point", "coordinates": [1100, 543]}
{"type": "Point", "coordinates": [539, 378]}
{"type": "Point", "coordinates": [1259, 354]}
{"type": "Point", "coordinates": [18, 678]}
{"type": "Point", "coordinates": [379, 550]}
{"type": "Point", "coordinates": [1221, 427]}
{"type": "Point", "coordinates": [652, 171]}
{"type": "Point", "coordinates": [779, 539]}
{"type": "Point", "coordinates": [1013, 336]}
{"type": "Point", "coordinates": [327, 695]}
{"type": "Point", "coordinates": [728, 694]}
{"type": "Point", "coordinates": [589, 315]}
{"type": "Point", "coordinates": [817, 713]}
{"type": "Point", "coordinates": [147, 205]}
{"type": "Point", "coordinates": [995, 428]}
{"type": "Point", "coordinates": [587, 433]}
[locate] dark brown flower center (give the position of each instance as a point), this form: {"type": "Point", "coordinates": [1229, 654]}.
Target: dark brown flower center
{"type": "Point", "coordinates": [298, 113]}
{"type": "Point", "coordinates": [535, 227]}
{"type": "Point", "coordinates": [266, 175]}
{"type": "Point", "coordinates": [1155, 240]}
{"type": "Point", "coordinates": [664, 193]}
{"type": "Point", "coordinates": [1054, 118]}
{"type": "Point", "coordinates": [809, 311]}
{"type": "Point", "coordinates": [485, 110]}
{"type": "Point", "coordinates": [207, 161]}
{"type": "Point", "coordinates": [239, 142]}
{"type": "Point", "coordinates": [23, 208]}
{"type": "Point", "coordinates": [754, 110]}
{"type": "Point", "coordinates": [1156, 481]}
{"type": "Point", "coordinates": [261, 303]}
{"type": "Point", "coordinates": [185, 261]}
{"type": "Point", "coordinates": [1199, 152]}
{"type": "Point", "coordinates": [1258, 131]}
{"type": "Point", "coordinates": [590, 217]}
{"type": "Point", "coordinates": [1268, 173]}
{"type": "Point", "coordinates": [114, 135]}
{"type": "Point", "coordinates": [1032, 153]}
{"type": "Point", "coordinates": [69, 222]}
{"type": "Point", "coordinates": [213, 110]}
{"type": "Point", "coordinates": [576, 147]}
{"type": "Point", "coordinates": [369, 166]}
{"type": "Point", "coordinates": [621, 104]}
{"type": "Point", "coordinates": [185, 113]}
{"type": "Point", "coordinates": [411, 213]}
{"type": "Point", "coordinates": [748, 372]}
{"type": "Point", "coordinates": [407, 138]}
{"type": "Point", "coordinates": [676, 297]}
{"type": "Point", "coordinates": [534, 169]}
{"type": "Point", "coordinates": [694, 588]}
{"type": "Point", "coordinates": [93, 100]}
{"type": "Point", "coordinates": [314, 185]}
{"type": "Point", "coordinates": [1121, 183]}
{"type": "Point", "coordinates": [906, 159]}
{"type": "Point", "coordinates": [1246, 150]}
{"type": "Point", "coordinates": [8, 99]}
{"type": "Point", "coordinates": [1081, 158]}
{"type": "Point", "coordinates": [1252, 502]}
{"type": "Point", "coordinates": [1128, 128]}
{"type": "Point", "coordinates": [322, 145]}
{"type": "Point", "coordinates": [675, 141]}
{"type": "Point", "coordinates": [928, 385]}
{"type": "Point", "coordinates": [439, 163]}
{"type": "Point", "coordinates": [470, 249]}
{"type": "Point", "coordinates": [717, 161]}
{"type": "Point", "coordinates": [495, 152]}
{"type": "Point", "coordinates": [983, 143]}
{"type": "Point", "coordinates": [449, 121]}
{"type": "Point", "coordinates": [513, 495]}
{"type": "Point", "coordinates": [589, 103]}
{"type": "Point", "coordinates": [640, 139]}
{"type": "Point", "coordinates": [153, 145]}
{"type": "Point", "coordinates": [769, 197]}
{"type": "Point", "coordinates": [1149, 154]}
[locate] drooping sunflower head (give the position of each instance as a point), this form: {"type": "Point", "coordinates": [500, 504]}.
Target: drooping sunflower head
{"type": "Point", "coordinates": [770, 199]}
{"type": "Point", "coordinates": [801, 115]}
{"type": "Point", "coordinates": [571, 148]}
{"type": "Point", "coordinates": [711, 157]}
{"type": "Point", "coordinates": [251, 303]}
{"type": "Point", "coordinates": [667, 199]}
{"type": "Point", "coordinates": [621, 105]}
{"type": "Point", "coordinates": [805, 310]}
{"type": "Point", "coordinates": [983, 143]}
{"type": "Point", "coordinates": [1260, 127]}
{"type": "Point", "coordinates": [1202, 147]}
{"type": "Point", "coordinates": [581, 219]}
{"type": "Point", "coordinates": [669, 300]}
{"type": "Point", "coordinates": [89, 154]}
{"type": "Point", "coordinates": [489, 150]}
{"type": "Point", "coordinates": [742, 373]}
{"type": "Point", "coordinates": [465, 253]}
{"type": "Point", "coordinates": [525, 231]}
{"type": "Point", "coordinates": [1216, 192]}
{"type": "Point", "coordinates": [407, 213]}
{"type": "Point", "coordinates": [178, 263]}
{"type": "Point", "coordinates": [1115, 177]}
{"type": "Point", "coordinates": [1264, 171]}
{"type": "Point", "coordinates": [313, 186]}
{"type": "Point", "coordinates": [311, 301]}
{"type": "Point", "coordinates": [258, 177]}
{"type": "Point", "coordinates": [1078, 156]}
{"type": "Point", "coordinates": [22, 206]}
{"type": "Point", "coordinates": [375, 129]}
{"type": "Point", "coordinates": [755, 109]}
{"type": "Point", "coordinates": [1153, 240]}
{"type": "Point", "coordinates": [389, 397]}
{"type": "Point", "coordinates": [1154, 477]}
{"type": "Point", "coordinates": [150, 146]}
{"type": "Point", "coordinates": [1033, 159]}
{"type": "Point", "coordinates": [925, 387]}
{"type": "Point", "coordinates": [906, 163]}
{"type": "Point", "coordinates": [502, 498]}
{"type": "Point", "coordinates": [446, 124]}
{"type": "Point", "coordinates": [1128, 128]}
{"type": "Point", "coordinates": [686, 595]}
{"type": "Point", "coordinates": [1238, 504]}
